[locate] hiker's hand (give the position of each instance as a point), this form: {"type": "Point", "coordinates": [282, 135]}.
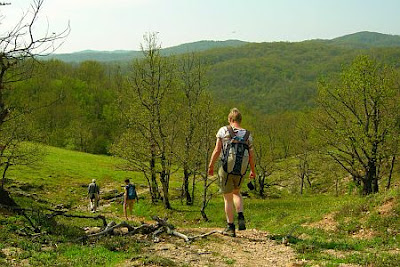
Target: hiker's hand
{"type": "Point", "coordinates": [211, 170]}
{"type": "Point", "coordinates": [252, 175]}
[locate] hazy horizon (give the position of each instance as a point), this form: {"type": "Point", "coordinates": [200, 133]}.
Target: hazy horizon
{"type": "Point", "coordinates": [116, 50]}
{"type": "Point", "coordinates": [120, 25]}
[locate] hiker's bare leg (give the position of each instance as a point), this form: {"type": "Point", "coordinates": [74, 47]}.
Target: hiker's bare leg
{"type": "Point", "coordinates": [131, 207]}
{"type": "Point", "coordinates": [126, 216]}
{"type": "Point", "coordinates": [238, 200]}
{"type": "Point", "coordinates": [95, 202]}
{"type": "Point", "coordinates": [228, 198]}
{"type": "Point", "coordinates": [128, 205]}
{"type": "Point", "coordinates": [91, 204]}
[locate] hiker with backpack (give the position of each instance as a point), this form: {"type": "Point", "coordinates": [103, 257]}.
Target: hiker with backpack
{"type": "Point", "coordinates": [130, 196]}
{"type": "Point", "coordinates": [236, 145]}
{"type": "Point", "coordinates": [93, 195]}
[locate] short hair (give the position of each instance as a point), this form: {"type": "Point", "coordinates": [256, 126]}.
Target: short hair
{"type": "Point", "coordinates": [235, 116]}
{"type": "Point", "coordinates": [93, 180]}
{"type": "Point", "coordinates": [127, 181]}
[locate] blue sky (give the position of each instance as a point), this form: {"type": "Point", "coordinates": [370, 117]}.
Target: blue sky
{"type": "Point", "coordinates": [120, 24]}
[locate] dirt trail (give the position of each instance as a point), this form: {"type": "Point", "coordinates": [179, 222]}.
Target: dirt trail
{"type": "Point", "coordinates": [249, 248]}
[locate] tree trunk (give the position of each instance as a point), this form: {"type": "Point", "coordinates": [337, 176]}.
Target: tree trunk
{"type": "Point", "coordinates": [193, 188]}
{"type": "Point", "coordinates": [302, 183]}
{"type": "Point", "coordinates": [370, 181]}
{"type": "Point", "coordinates": [186, 192]}
{"type": "Point", "coordinates": [261, 190]}
{"type": "Point", "coordinates": [367, 185]}
{"type": "Point", "coordinates": [3, 109]}
{"type": "Point", "coordinates": [4, 174]}
{"type": "Point", "coordinates": [5, 198]}
{"type": "Point", "coordinates": [155, 195]}
{"type": "Point", "coordinates": [391, 172]}
{"type": "Point", "coordinates": [164, 181]}
{"type": "Point", "coordinates": [203, 213]}
{"type": "Point", "coordinates": [204, 202]}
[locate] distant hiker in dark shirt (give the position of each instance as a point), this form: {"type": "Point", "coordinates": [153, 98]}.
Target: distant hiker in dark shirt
{"type": "Point", "coordinates": [93, 194]}
{"type": "Point", "coordinates": [130, 195]}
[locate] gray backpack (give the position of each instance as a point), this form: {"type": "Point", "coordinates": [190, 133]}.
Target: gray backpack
{"type": "Point", "coordinates": [235, 156]}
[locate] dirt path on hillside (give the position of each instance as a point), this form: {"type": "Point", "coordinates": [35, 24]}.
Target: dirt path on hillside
{"type": "Point", "coordinates": [249, 248]}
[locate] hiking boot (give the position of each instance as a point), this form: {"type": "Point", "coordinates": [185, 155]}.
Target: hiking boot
{"type": "Point", "coordinates": [242, 223]}
{"type": "Point", "coordinates": [229, 231]}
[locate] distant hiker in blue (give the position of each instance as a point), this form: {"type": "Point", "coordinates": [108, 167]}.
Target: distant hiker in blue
{"type": "Point", "coordinates": [93, 194]}
{"type": "Point", "coordinates": [236, 145]}
{"type": "Point", "coordinates": [130, 195]}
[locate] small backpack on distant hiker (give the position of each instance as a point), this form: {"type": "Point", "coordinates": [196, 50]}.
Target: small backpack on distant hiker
{"type": "Point", "coordinates": [131, 189]}
{"type": "Point", "coordinates": [235, 157]}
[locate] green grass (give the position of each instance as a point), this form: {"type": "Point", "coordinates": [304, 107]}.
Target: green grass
{"type": "Point", "coordinates": [62, 178]}
{"type": "Point", "coordinates": [76, 255]}
{"type": "Point", "coordinates": [64, 174]}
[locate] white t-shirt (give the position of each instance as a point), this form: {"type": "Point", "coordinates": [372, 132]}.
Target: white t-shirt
{"type": "Point", "coordinates": [223, 133]}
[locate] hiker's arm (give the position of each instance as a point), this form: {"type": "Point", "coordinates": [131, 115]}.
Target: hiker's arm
{"type": "Point", "coordinates": [252, 164]}
{"type": "Point", "coordinates": [214, 156]}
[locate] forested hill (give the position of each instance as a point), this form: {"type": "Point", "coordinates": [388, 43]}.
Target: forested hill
{"type": "Point", "coordinates": [127, 55]}
{"type": "Point", "coordinates": [269, 77]}
{"type": "Point", "coordinates": [276, 77]}
{"type": "Point", "coordinates": [367, 40]}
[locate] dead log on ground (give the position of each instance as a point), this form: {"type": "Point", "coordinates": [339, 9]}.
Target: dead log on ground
{"type": "Point", "coordinates": [161, 226]}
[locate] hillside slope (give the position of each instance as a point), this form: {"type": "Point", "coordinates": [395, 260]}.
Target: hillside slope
{"type": "Point", "coordinates": [367, 39]}
{"type": "Point", "coordinates": [276, 77]}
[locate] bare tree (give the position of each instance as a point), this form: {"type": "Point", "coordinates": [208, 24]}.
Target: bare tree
{"type": "Point", "coordinates": [19, 46]}
{"type": "Point", "coordinates": [359, 116]}
{"type": "Point", "coordinates": [150, 119]}
{"type": "Point", "coordinates": [304, 145]}
{"type": "Point", "coordinates": [205, 148]}
{"type": "Point", "coordinates": [192, 86]}
{"type": "Point", "coordinates": [17, 148]}
{"type": "Point", "coordinates": [273, 142]}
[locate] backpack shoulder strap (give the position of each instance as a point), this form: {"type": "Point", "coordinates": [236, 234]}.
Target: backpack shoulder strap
{"type": "Point", "coordinates": [246, 135]}
{"type": "Point", "coordinates": [231, 132]}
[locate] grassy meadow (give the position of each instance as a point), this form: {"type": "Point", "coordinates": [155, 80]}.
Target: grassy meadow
{"type": "Point", "coordinates": [323, 229]}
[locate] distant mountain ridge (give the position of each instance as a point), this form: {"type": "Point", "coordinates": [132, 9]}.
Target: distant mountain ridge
{"type": "Point", "coordinates": [367, 39]}
{"type": "Point", "coordinates": [126, 55]}
{"type": "Point", "coordinates": [360, 40]}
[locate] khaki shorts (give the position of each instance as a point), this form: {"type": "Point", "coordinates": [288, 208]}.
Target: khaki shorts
{"type": "Point", "coordinates": [229, 183]}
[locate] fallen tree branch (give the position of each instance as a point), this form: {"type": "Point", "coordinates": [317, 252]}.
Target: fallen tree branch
{"type": "Point", "coordinates": [114, 198]}
{"type": "Point", "coordinates": [161, 225]}
{"type": "Point", "coordinates": [143, 229]}
{"type": "Point", "coordinates": [54, 213]}
{"type": "Point", "coordinates": [178, 234]}
{"type": "Point", "coordinates": [206, 234]}
{"type": "Point", "coordinates": [192, 238]}
{"type": "Point", "coordinates": [156, 239]}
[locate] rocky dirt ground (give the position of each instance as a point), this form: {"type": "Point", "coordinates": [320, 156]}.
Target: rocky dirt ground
{"type": "Point", "coordinates": [248, 248]}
